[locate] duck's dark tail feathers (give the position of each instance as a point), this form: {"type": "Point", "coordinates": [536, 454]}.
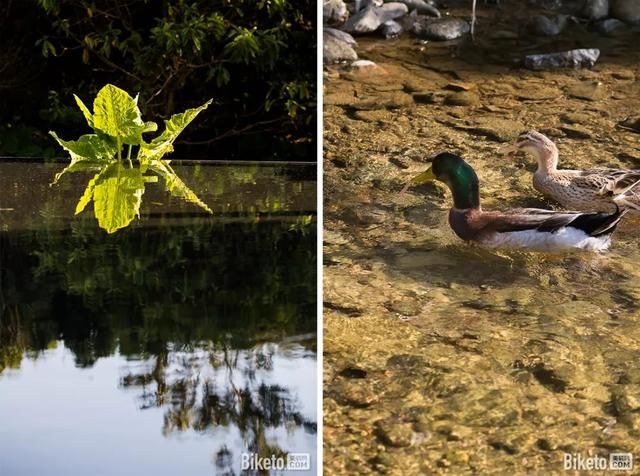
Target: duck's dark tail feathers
{"type": "Point", "coordinates": [599, 224]}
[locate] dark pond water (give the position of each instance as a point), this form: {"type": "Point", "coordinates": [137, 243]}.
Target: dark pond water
{"type": "Point", "coordinates": [172, 347]}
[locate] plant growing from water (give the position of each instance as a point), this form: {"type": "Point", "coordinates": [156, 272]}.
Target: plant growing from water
{"type": "Point", "coordinates": [119, 182]}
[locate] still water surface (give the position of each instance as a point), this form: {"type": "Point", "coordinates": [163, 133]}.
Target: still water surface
{"type": "Point", "coordinates": [171, 347]}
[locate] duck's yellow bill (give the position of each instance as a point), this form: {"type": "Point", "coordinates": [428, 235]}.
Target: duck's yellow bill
{"type": "Point", "coordinates": [424, 177]}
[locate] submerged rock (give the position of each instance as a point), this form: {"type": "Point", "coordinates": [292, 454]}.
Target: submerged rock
{"type": "Point", "coordinates": [626, 10]}
{"type": "Point", "coordinates": [595, 9]}
{"type": "Point", "coordinates": [609, 26]}
{"type": "Point", "coordinates": [422, 7]}
{"type": "Point", "coordinates": [580, 58]}
{"type": "Point", "coordinates": [393, 433]}
{"type": "Point", "coordinates": [335, 50]}
{"type": "Point", "coordinates": [441, 30]}
{"type": "Point", "coordinates": [462, 98]}
{"type": "Point", "coordinates": [588, 90]}
{"type": "Point", "coordinates": [391, 29]}
{"type": "Point", "coordinates": [334, 11]}
{"type": "Point", "coordinates": [548, 26]}
{"type": "Point", "coordinates": [631, 123]}
{"type": "Point", "coordinates": [363, 65]}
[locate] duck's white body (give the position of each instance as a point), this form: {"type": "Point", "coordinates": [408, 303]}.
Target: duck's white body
{"type": "Point", "coordinates": [561, 240]}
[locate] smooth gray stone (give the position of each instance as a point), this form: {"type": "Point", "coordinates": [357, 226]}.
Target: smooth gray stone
{"type": "Point", "coordinates": [340, 35]}
{"type": "Point", "coordinates": [361, 4]}
{"type": "Point", "coordinates": [364, 21]}
{"type": "Point", "coordinates": [335, 50]}
{"type": "Point", "coordinates": [370, 19]}
{"type": "Point", "coordinates": [442, 30]}
{"type": "Point", "coordinates": [581, 58]}
{"type": "Point", "coordinates": [391, 29]}
{"type": "Point", "coordinates": [391, 11]}
{"type": "Point", "coordinates": [595, 9]}
{"type": "Point", "coordinates": [334, 11]}
{"type": "Point", "coordinates": [421, 7]}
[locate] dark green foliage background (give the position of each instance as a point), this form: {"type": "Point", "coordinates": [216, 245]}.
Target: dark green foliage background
{"type": "Point", "coordinates": [255, 58]}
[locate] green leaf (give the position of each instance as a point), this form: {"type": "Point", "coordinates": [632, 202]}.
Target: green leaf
{"type": "Point", "coordinates": [117, 195]}
{"type": "Point", "coordinates": [243, 48]}
{"type": "Point", "coordinates": [89, 153]}
{"type": "Point", "coordinates": [85, 111]}
{"type": "Point", "coordinates": [150, 127]}
{"type": "Point", "coordinates": [174, 185]}
{"type": "Point", "coordinates": [163, 144]}
{"type": "Point", "coordinates": [178, 122]}
{"type": "Point", "coordinates": [116, 114]}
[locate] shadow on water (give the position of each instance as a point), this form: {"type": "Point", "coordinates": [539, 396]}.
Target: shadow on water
{"type": "Point", "coordinates": [212, 319]}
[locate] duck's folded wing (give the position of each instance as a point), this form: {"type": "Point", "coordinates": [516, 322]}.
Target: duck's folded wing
{"type": "Point", "coordinates": [611, 182]}
{"type": "Point", "coordinates": [592, 223]}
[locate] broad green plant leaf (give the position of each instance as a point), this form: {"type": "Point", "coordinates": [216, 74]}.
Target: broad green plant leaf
{"type": "Point", "coordinates": [163, 144]}
{"type": "Point", "coordinates": [85, 111]}
{"type": "Point", "coordinates": [117, 195]}
{"type": "Point", "coordinates": [116, 189]}
{"type": "Point", "coordinates": [89, 153]}
{"type": "Point", "coordinates": [116, 114]}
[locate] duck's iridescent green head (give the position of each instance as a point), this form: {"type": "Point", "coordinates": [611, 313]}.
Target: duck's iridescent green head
{"type": "Point", "coordinates": [457, 175]}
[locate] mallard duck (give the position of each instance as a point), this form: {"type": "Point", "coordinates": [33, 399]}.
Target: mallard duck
{"type": "Point", "coordinates": [526, 228]}
{"type": "Point", "coordinates": [599, 189]}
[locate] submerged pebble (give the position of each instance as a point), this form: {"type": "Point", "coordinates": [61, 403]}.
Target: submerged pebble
{"type": "Point", "coordinates": [393, 433]}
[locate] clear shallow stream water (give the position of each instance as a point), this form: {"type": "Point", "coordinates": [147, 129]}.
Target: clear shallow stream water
{"type": "Point", "coordinates": [441, 357]}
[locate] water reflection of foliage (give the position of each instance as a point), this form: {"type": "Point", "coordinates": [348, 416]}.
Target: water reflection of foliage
{"type": "Point", "coordinates": [190, 385]}
{"type": "Point", "coordinates": [162, 294]}
{"type": "Point", "coordinates": [147, 287]}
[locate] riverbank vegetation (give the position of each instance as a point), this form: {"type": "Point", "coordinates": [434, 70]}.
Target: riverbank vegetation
{"type": "Point", "coordinates": [255, 58]}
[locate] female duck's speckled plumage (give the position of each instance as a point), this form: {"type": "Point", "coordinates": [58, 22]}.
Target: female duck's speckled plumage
{"type": "Point", "coordinates": [526, 228]}
{"type": "Point", "coordinates": [600, 189]}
